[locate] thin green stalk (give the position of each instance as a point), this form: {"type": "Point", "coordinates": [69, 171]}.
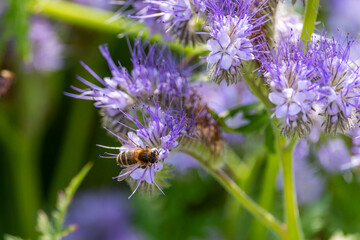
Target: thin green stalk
{"type": "Point", "coordinates": [248, 203]}
{"type": "Point", "coordinates": [294, 230]}
{"type": "Point", "coordinates": [266, 198]}
{"type": "Point", "coordinates": [311, 11]}
{"type": "Point", "coordinates": [231, 187]}
{"type": "Point", "coordinates": [99, 20]}
{"type": "Point", "coordinates": [250, 77]}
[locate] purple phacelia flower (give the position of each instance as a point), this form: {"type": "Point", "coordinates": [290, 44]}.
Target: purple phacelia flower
{"type": "Point", "coordinates": [102, 4]}
{"type": "Point", "coordinates": [45, 45]}
{"type": "Point", "coordinates": [290, 74]}
{"type": "Point", "coordinates": [179, 16]}
{"type": "Point", "coordinates": [155, 108]}
{"type": "Point", "coordinates": [102, 214]}
{"type": "Point", "coordinates": [158, 129]}
{"type": "Point", "coordinates": [154, 73]}
{"type": "Point", "coordinates": [355, 149]}
{"type": "Point", "coordinates": [232, 28]}
{"type": "Point", "coordinates": [318, 75]}
{"type": "Point", "coordinates": [339, 84]}
{"type": "Point", "coordinates": [333, 155]}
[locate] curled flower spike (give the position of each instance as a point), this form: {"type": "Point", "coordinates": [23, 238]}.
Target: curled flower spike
{"type": "Point", "coordinates": [180, 17]}
{"type": "Point", "coordinates": [232, 29]}
{"type": "Point", "coordinates": [153, 133]}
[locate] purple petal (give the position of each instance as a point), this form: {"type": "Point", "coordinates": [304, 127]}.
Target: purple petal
{"type": "Point", "coordinates": [276, 98]}
{"type": "Point", "coordinates": [226, 62]}
{"type": "Point", "coordinates": [213, 45]}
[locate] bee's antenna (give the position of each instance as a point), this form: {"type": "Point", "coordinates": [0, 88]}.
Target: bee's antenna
{"type": "Point", "coordinates": [101, 156]}
{"type": "Point", "coordinates": [156, 184]}
{"type": "Point", "coordinates": [107, 147]}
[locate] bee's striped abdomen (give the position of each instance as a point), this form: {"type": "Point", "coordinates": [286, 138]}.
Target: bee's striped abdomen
{"type": "Point", "coordinates": [126, 158]}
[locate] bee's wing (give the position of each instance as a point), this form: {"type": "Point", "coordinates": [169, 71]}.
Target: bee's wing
{"type": "Point", "coordinates": [126, 172]}
{"type": "Point", "coordinates": [130, 139]}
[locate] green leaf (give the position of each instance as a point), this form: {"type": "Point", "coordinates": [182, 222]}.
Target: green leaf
{"type": "Point", "coordinates": [16, 25]}
{"type": "Point", "coordinates": [10, 237]}
{"type": "Point", "coordinates": [44, 225]}
{"type": "Point", "coordinates": [65, 198]}
{"type": "Point", "coordinates": [270, 140]}
{"type": "Point", "coordinates": [67, 230]}
{"type": "Point", "coordinates": [311, 11]}
{"type": "Point", "coordinates": [54, 230]}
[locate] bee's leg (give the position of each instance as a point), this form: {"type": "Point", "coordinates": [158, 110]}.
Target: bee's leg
{"type": "Point", "coordinates": [140, 180]}
{"type": "Point", "coordinates": [155, 182]}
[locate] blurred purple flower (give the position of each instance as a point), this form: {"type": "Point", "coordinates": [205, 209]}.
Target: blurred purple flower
{"type": "Point", "coordinates": [288, 23]}
{"type": "Point", "coordinates": [102, 4]}
{"type": "Point", "coordinates": [333, 155]}
{"type": "Point", "coordinates": [344, 15]}
{"type": "Point", "coordinates": [46, 47]}
{"type": "Point", "coordinates": [101, 214]}
{"type": "Point", "coordinates": [186, 162]}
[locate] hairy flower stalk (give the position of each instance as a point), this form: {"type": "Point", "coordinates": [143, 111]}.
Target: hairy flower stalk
{"type": "Point", "coordinates": [233, 38]}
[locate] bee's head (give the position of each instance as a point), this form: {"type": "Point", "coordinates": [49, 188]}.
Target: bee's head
{"type": "Point", "coordinates": [154, 156]}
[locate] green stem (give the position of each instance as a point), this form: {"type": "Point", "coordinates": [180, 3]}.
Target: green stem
{"type": "Point", "coordinates": [266, 198]}
{"type": "Point", "coordinates": [250, 79]}
{"type": "Point", "coordinates": [294, 231]}
{"type": "Point", "coordinates": [248, 203]}
{"type": "Point", "coordinates": [99, 20]}
{"type": "Point", "coordinates": [267, 218]}
{"type": "Point", "coordinates": [311, 11]}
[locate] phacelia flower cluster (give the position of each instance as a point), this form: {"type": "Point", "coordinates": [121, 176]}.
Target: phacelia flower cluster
{"type": "Point", "coordinates": [313, 76]}
{"type": "Point", "coordinates": [156, 128]}
{"type": "Point", "coordinates": [232, 38]}
{"type": "Point", "coordinates": [232, 29]}
{"type": "Point", "coordinates": [152, 107]}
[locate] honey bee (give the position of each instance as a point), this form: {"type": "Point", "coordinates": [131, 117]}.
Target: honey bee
{"type": "Point", "coordinates": [136, 158]}
{"type": "Point", "coordinates": [142, 156]}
